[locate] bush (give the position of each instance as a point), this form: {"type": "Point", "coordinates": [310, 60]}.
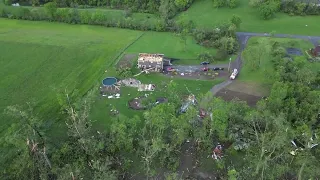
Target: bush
{"type": "Point", "coordinates": [8, 2]}
{"type": "Point", "coordinates": [267, 11]}
{"type": "Point", "coordinates": [127, 13]}
{"type": "Point", "coordinates": [206, 57]}
{"type": "Point", "coordinates": [221, 55]}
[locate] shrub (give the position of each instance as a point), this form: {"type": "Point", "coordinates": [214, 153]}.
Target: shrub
{"type": "Point", "coordinates": [8, 2]}
{"type": "Point", "coordinates": [233, 3]}
{"type": "Point", "coordinates": [221, 54]}
{"type": "Point", "coordinates": [127, 13]}
{"type": "Point", "coordinates": [51, 9]}
{"type": "Point", "coordinates": [206, 57]}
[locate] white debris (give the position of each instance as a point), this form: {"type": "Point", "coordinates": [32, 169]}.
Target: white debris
{"type": "Point", "coordinates": [117, 95]}
{"type": "Point", "coordinates": [182, 74]}
{"type": "Point", "coordinates": [109, 97]}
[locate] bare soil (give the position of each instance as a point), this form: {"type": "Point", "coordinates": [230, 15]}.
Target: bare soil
{"type": "Point", "coordinates": [249, 88]}
{"type": "Point", "coordinates": [229, 95]}
{"type": "Point", "coordinates": [207, 75]}
{"type": "Point", "coordinates": [126, 61]}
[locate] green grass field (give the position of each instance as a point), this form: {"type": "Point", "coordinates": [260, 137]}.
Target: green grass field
{"type": "Point", "coordinates": [266, 66]}
{"type": "Point", "coordinates": [205, 15]}
{"type": "Point", "coordinates": [39, 60]}
{"type": "Point", "coordinates": [170, 45]}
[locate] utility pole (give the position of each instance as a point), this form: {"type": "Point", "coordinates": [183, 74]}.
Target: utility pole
{"type": "Point", "coordinates": [229, 65]}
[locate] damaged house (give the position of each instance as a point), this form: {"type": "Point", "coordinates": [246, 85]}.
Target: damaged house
{"type": "Point", "coordinates": [152, 62]}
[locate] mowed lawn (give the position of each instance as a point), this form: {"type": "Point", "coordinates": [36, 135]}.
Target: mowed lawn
{"type": "Point", "coordinates": [39, 60]}
{"type": "Point", "coordinates": [205, 15]}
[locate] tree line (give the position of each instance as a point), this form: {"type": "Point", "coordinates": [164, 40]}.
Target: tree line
{"type": "Point", "coordinates": [268, 8]}
{"type": "Point", "coordinates": [145, 6]}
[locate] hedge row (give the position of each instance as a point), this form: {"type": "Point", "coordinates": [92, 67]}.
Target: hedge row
{"type": "Point", "coordinates": [74, 16]}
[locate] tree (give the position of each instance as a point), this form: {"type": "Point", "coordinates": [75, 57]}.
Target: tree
{"type": "Point", "coordinates": [267, 10]}
{"type": "Point", "coordinates": [51, 9]}
{"type": "Point", "coordinates": [233, 3]}
{"type": "Point", "coordinates": [236, 20]}
{"type": "Point", "coordinates": [182, 4]}
{"type": "Point", "coordinates": [28, 147]}
{"type": "Point", "coordinates": [218, 3]}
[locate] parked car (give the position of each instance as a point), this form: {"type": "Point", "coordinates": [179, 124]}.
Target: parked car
{"type": "Point", "coordinates": [170, 69]}
{"type": "Point", "coordinates": [205, 69]}
{"type": "Point", "coordinates": [234, 74]}
{"type": "Point", "coordinates": [217, 69]}
{"type": "Point", "coordinates": [205, 63]}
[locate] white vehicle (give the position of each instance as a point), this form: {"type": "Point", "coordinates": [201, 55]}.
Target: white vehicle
{"type": "Point", "coordinates": [234, 74]}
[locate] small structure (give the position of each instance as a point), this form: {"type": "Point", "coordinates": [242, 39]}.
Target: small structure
{"type": "Point", "coordinates": [152, 62]}
{"type": "Point", "coordinates": [315, 51]}
{"type": "Point", "coordinates": [130, 82]}
{"type": "Point", "coordinates": [146, 87]}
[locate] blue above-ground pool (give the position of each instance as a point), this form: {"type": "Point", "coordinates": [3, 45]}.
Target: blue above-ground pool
{"type": "Point", "coordinates": [109, 81]}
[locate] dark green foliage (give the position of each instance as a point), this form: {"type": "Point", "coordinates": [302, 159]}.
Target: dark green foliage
{"type": "Point", "coordinates": [300, 8]}
{"type": "Point", "coordinates": [236, 20]}
{"type": "Point", "coordinates": [225, 3]}
{"type": "Point", "coordinates": [267, 10]}
{"type": "Point", "coordinates": [206, 57]}
{"type": "Point", "coordinates": [222, 37]}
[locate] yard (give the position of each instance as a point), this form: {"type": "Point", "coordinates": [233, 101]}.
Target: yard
{"type": "Point", "coordinates": [254, 83]}
{"type": "Point", "coordinates": [205, 15]}
{"type": "Point", "coordinates": [102, 106]}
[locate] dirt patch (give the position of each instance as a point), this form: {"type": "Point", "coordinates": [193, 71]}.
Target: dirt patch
{"type": "Point", "coordinates": [229, 95]}
{"type": "Point", "coordinates": [207, 75]}
{"type": "Point", "coordinates": [137, 103]}
{"type": "Point", "coordinates": [254, 89]}
{"type": "Point", "coordinates": [109, 90]}
{"type": "Point", "coordinates": [126, 61]}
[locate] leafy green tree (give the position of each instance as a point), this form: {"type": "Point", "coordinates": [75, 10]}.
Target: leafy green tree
{"type": "Point", "coordinates": [236, 20]}
{"type": "Point", "coordinates": [27, 143]}
{"type": "Point", "coordinates": [233, 3]}
{"type": "Point", "coordinates": [51, 9]}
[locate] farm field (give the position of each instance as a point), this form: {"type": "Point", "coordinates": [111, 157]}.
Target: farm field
{"type": "Point", "coordinates": [39, 60]}
{"type": "Point", "coordinates": [205, 15]}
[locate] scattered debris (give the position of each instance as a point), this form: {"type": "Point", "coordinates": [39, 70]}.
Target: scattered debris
{"type": "Point", "coordinates": [191, 100]}
{"type": "Point", "coordinates": [146, 87]}
{"type": "Point", "coordinates": [217, 152]}
{"type": "Point", "coordinates": [130, 82]}
{"type": "Point", "coordinates": [136, 103]}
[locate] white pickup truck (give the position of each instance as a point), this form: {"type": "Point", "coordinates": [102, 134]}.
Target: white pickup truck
{"type": "Point", "coordinates": [234, 74]}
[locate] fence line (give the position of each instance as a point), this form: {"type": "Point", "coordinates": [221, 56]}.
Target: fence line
{"type": "Point", "coordinates": [117, 57]}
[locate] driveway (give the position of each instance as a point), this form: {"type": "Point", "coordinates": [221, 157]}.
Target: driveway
{"type": "Point", "coordinates": [196, 68]}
